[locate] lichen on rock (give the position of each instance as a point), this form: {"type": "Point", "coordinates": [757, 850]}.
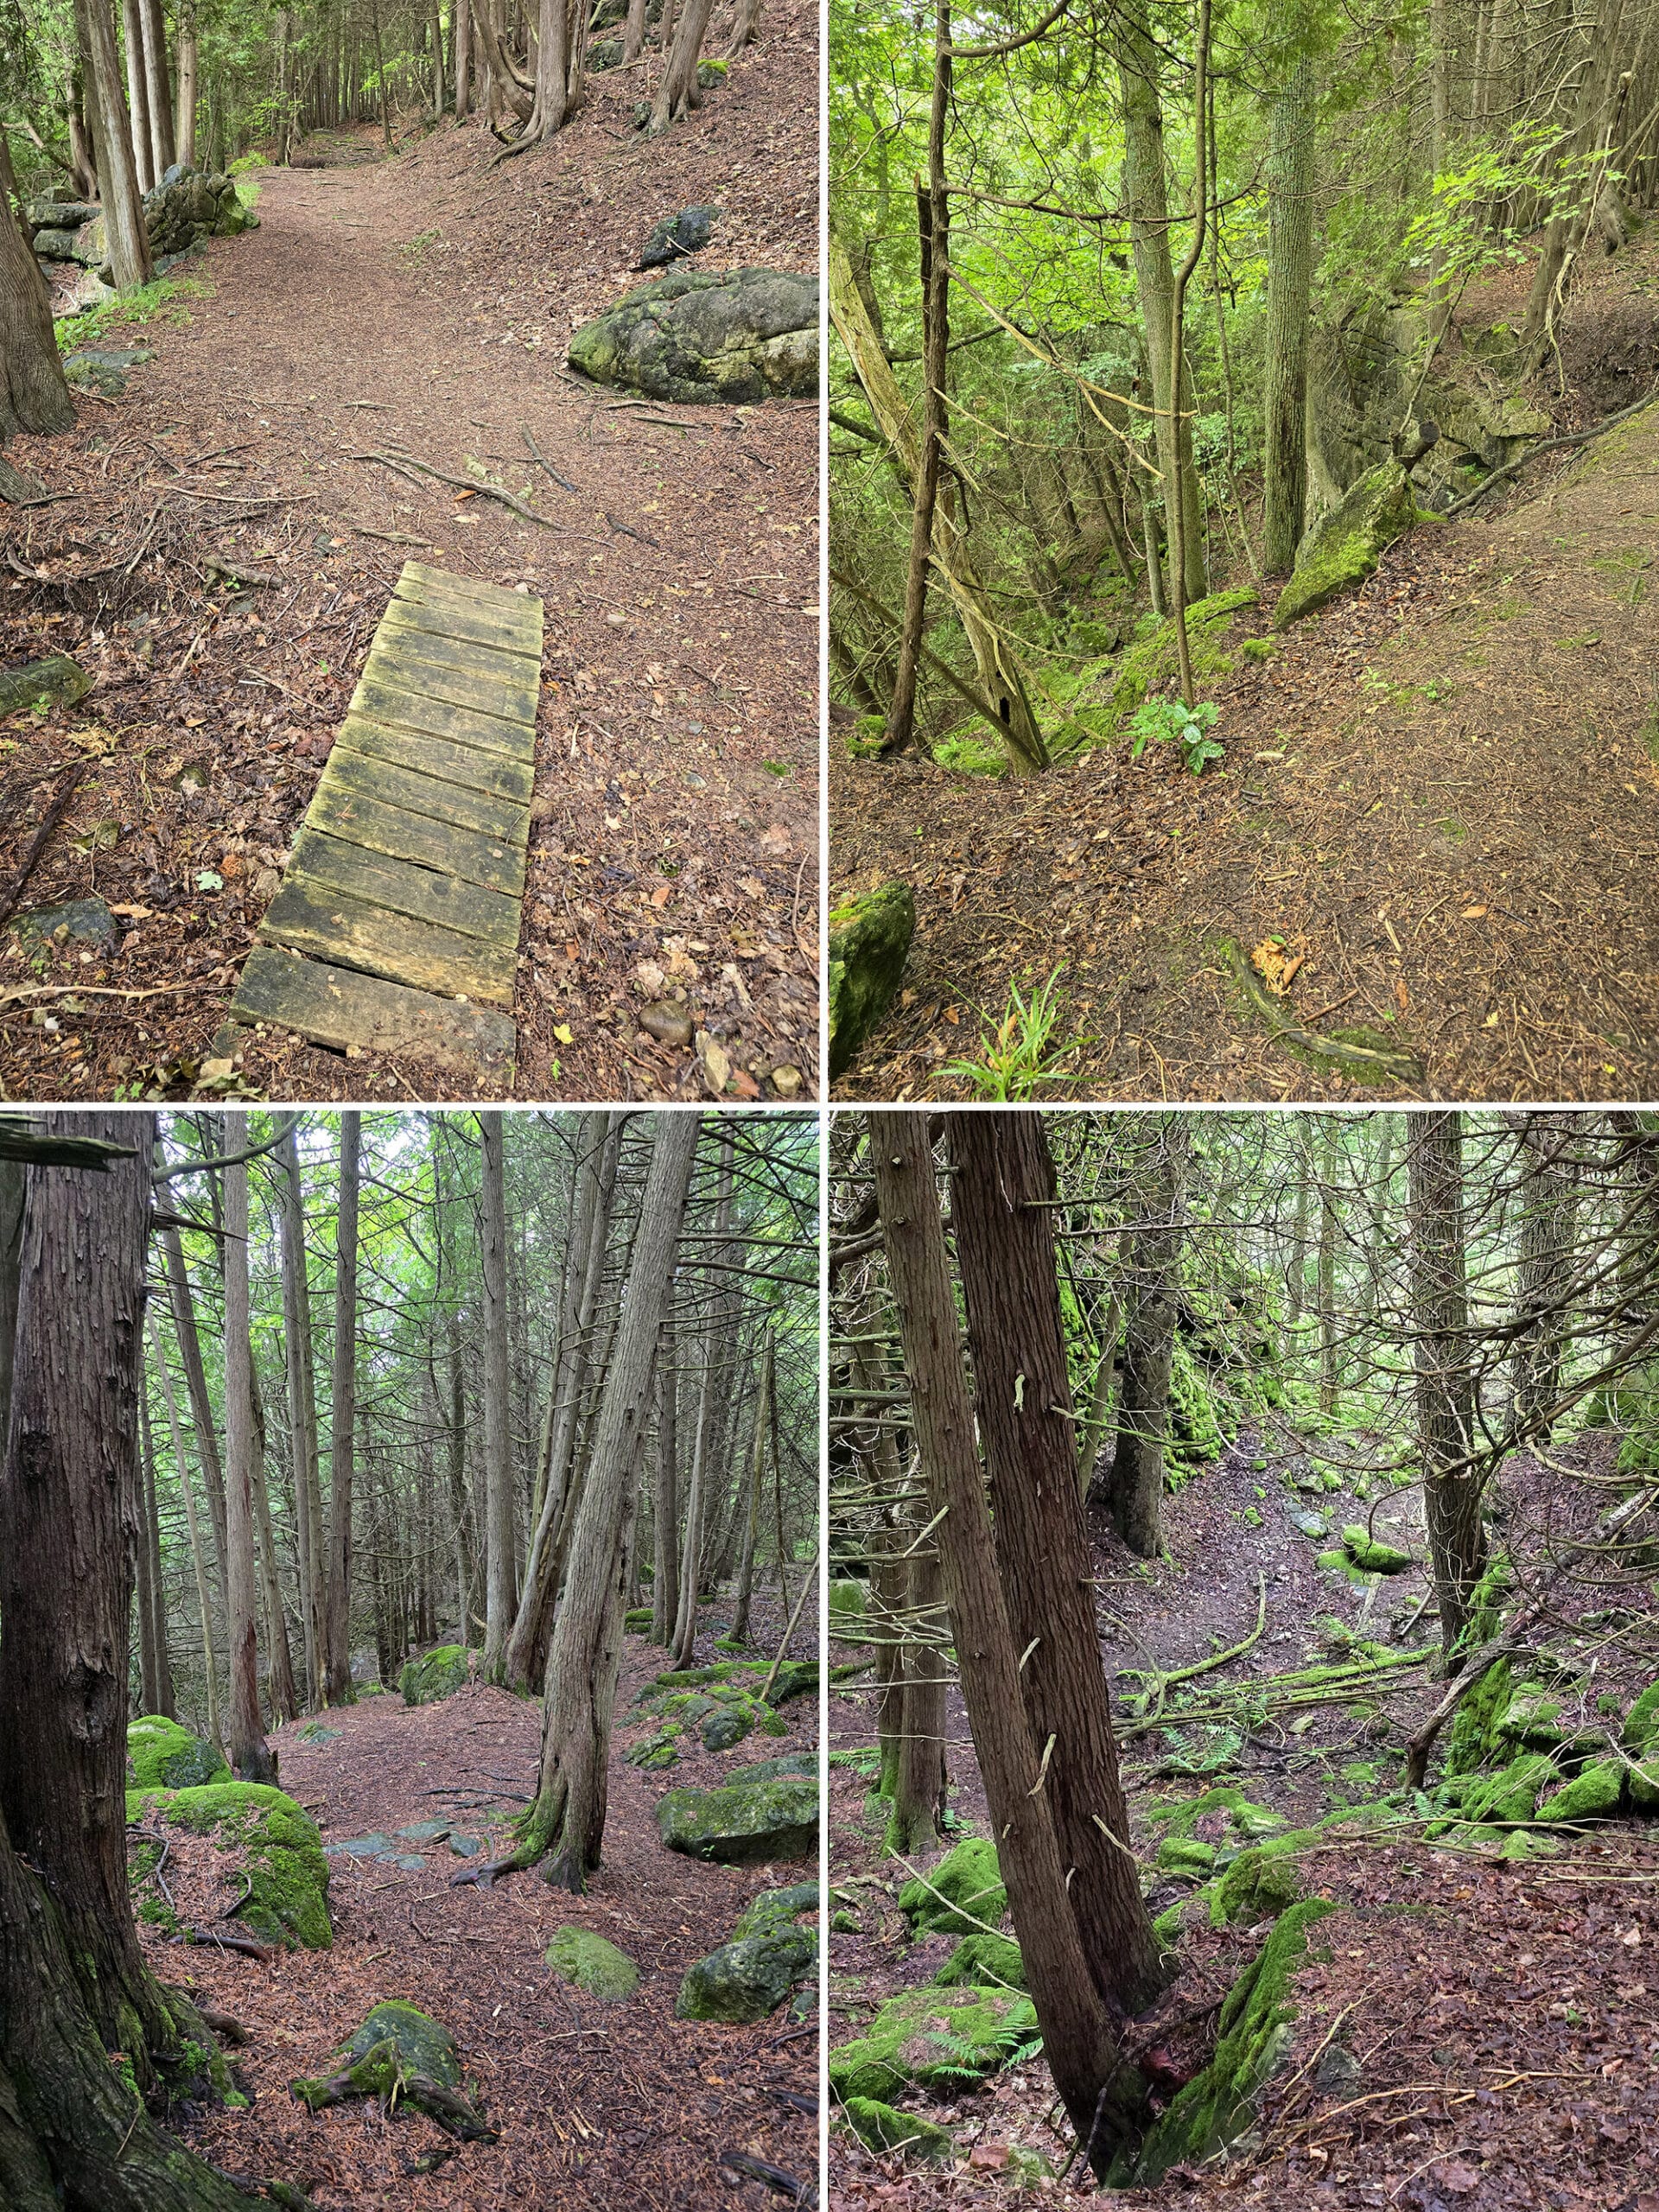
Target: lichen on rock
{"type": "Point", "coordinates": [870, 943]}
{"type": "Point", "coordinates": [746, 335]}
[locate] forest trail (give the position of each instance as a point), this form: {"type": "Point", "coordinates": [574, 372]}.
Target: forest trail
{"type": "Point", "coordinates": [595, 2103]}
{"type": "Point", "coordinates": [1497, 2016]}
{"type": "Point", "coordinates": [1443, 793]}
{"type": "Point", "coordinates": [424, 305]}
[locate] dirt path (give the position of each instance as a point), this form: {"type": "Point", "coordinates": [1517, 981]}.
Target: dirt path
{"type": "Point", "coordinates": [424, 304]}
{"type": "Point", "coordinates": [1443, 793]}
{"type": "Point", "coordinates": [1502, 2029]}
{"type": "Point", "coordinates": [597, 2104]}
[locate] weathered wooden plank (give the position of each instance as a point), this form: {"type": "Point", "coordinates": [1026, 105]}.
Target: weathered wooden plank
{"type": "Point", "coordinates": [401, 704]}
{"type": "Point", "coordinates": [443, 669]}
{"type": "Point", "coordinates": [319, 917]}
{"type": "Point", "coordinates": [352, 774]}
{"type": "Point", "coordinates": [427, 668]}
{"type": "Point", "coordinates": [369, 820]}
{"type": "Point", "coordinates": [505, 775]}
{"type": "Point", "coordinates": [405, 887]}
{"type": "Point", "coordinates": [424, 619]}
{"type": "Point", "coordinates": [517, 607]}
{"type": "Point", "coordinates": [341, 1008]}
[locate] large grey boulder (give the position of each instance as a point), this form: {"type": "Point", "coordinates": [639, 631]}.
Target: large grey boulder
{"type": "Point", "coordinates": [767, 1811]}
{"type": "Point", "coordinates": [748, 335]}
{"type": "Point", "coordinates": [1343, 547]}
{"type": "Point", "coordinates": [744, 1980]}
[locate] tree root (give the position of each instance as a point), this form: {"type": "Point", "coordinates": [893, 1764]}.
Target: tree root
{"type": "Point", "coordinates": [452, 2110]}
{"type": "Point", "coordinates": [402, 462]}
{"type": "Point", "coordinates": [1385, 1063]}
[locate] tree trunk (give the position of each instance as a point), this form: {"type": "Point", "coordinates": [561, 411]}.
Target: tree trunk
{"type": "Point", "coordinates": [999, 1206]}
{"type": "Point", "coordinates": [1544, 1269]}
{"type": "Point", "coordinates": [279, 1657]}
{"type": "Point", "coordinates": [1134, 1486]}
{"type": "Point", "coordinates": [204, 1602]}
{"type": "Point", "coordinates": [157, 86]}
{"type": "Point", "coordinates": [499, 1595]}
{"type": "Point", "coordinates": [133, 32]}
{"type": "Point", "coordinates": [748, 1505]}
{"type": "Point", "coordinates": [250, 1754]}
{"type": "Point", "coordinates": [1446, 1392]}
{"type": "Point", "coordinates": [302, 1413]}
{"type": "Point", "coordinates": [1000, 675]}
{"type": "Point", "coordinates": [184, 113]}
{"type": "Point", "coordinates": [676, 89]}
{"type": "Point", "coordinates": [150, 1685]}
{"type": "Point", "coordinates": [463, 59]}
{"type": "Point", "coordinates": [1328, 1269]}
{"type": "Point", "coordinates": [633, 31]}
{"type": "Point", "coordinates": [665, 1511]}
{"type": "Point", "coordinates": [685, 1632]}
{"type": "Point", "coordinates": [337, 1655]}
{"type": "Point", "coordinates": [1290, 278]}
{"type": "Point", "coordinates": [34, 395]}
{"type": "Point", "coordinates": [745, 27]}
{"type": "Point", "coordinates": [195, 1379]}
{"type": "Point", "coordinates": [566, 1824]}
{"type": "Point", "coordinates": [1145, 192]}
{"type": "Point", "coordinates": [1079, 2039]}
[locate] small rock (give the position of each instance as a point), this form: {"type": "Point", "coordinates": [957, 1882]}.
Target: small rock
{"type": "Point", "coordinates": [716, 1068]}
{"type": "Point", "coordinates": [57, 679]}
{"type": "Point", "coordinates": [465, 1846]}
{"type": "Point", "coordinates": [577, 1955]}
{"type": "Point", "coordinates": [667, 1023]}
{"type": "Point", "coordinates": [672, 237]}
{"type": "Point", "coordinates": [77, 921]}
{"type": "Point", "coordinates": [1337, 2069]}
{"type": "Point", "coordinates": [786, 1081]}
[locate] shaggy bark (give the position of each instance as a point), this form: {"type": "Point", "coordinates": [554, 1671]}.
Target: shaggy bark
{"type": "Point", "coordinates": [1445, 1386]}
{"type": "Point", "coordinates": [250, 1753]}
{"type": "Point", "coordinates": [1134, 1485]}
{"type": "Point", "coordinates": [499, 1596]}
{"type": "Point", "coordinates": [337, 1656]}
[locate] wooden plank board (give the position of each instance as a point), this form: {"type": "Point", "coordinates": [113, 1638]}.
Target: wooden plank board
{"type": "Point", "coordinates": [406, 704]}
{"type": "Point", "coordinates": [341, 1007]}
{"type": "Point", "coordinates": [317, 918]}
{"type": "Point", "coordinates": [353, 774]}
{"type": "Point", "coordinates": [403, 886]}
{"type": "Point", "coordinates": [367, 818]}
{"type": "Point", "coordinates": [408, 875]}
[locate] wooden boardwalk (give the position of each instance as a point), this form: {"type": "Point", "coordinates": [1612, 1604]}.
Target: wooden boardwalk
{"type": "Point", "coordinates": [396, 926]}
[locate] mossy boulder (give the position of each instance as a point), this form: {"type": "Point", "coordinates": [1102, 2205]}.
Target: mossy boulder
{"type": "Point", "coordinates": [848, 1600]}
{"type": "Point", "coordinates": [1346, 545]}
{"type": "Point", "coordinates": [577, 1955]}
{"type": "Point", "coordinates": [933, 2038]}
{"type": "Point", "coordinates": [1244, 1816]}
{"type": "Point", "coordinates": [795, 1678]}
{"type": "Point", "coordinates": [423, 2045]}
{"type": "Point", "coordinates": [655, 1752]}
{"type": "Point", "coordinates": [1641, 1731]}
{"type": "Point", "coordinates": [1255, 2024]}
{"type": "Point", "coordinates": [280, 1850]}
{"type": "Point", "coordinates": [1155, 660]}
{"type": "Point", "coordinates": [746, 335]}
{"type": "Point", "coordinates": [1509, 1795]}
{"type": "Point", "coordinates": [962, 1895]}
{"type": "Point", "coordinates": [1531, 1718]}
{"type": "Point", "coordinates": [869, 943]}
{"type": "Point", "coordinates": [1263, 1882]}
{"type": "Point", "coordinates": [774, 1908]}
{"type": "Point", "coordinates": [881, 2128]}
{"type": "Point", "coordinates": [749, 1978]}
{"type": "Point", "coordinates": [437, 1673]}
{"type": "Point", "coordinates": [985, 1962]}
{"type": "Point", "coordinates": [56, 680]}
{"type": "Point", "coordinates": [767, 1811]}
{"type": "Point", "coordinates": [1370, 1554]}
{"type": "Point", "coordinates": [1182, 1855]}
{"type": "Point", "coordinates": [163, 1756]}
{"type": "Point", "coordinates": [402, 2057]}
{"type": "Point", "coordinates": [1594, 1794]}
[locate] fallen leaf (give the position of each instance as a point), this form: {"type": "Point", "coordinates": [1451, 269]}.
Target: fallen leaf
{"type": "Point", "coordinates": [662, 894]}
{"type": "Point", "coordinates": [1452, 2174]}
{"type": "Point", "coordinates": [1473, 913]}
{"type": "Point", "coordinates": [1276, 964]}
{"type": "Point", "coordinates": [562, 1031]}
{"type": "Point", "coordinates": [1401, 998]}
{"type": "Point", "coordinates": [134, 913]}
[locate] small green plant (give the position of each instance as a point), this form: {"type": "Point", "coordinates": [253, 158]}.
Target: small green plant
{"type": "Point", "coordinates": [151, 302]}
{"type": "Point", "coordinates": [1173, 720]}
{"type": "Point", "coordinates": [1016, 1053]}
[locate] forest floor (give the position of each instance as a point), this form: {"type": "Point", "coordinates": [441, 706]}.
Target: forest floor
{"type": "Point", "coordinates": [1504, 2014]}
{"type": "Point", "coordinates": [596, 2104]}
{"type": "Point", "coordinates": [425, 302]}
{"type": "Point", "coordinates": [1443, 793]}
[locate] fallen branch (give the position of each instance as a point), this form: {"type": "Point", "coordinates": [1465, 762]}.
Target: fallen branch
{"type": "Point", "coordinates": [1402, 1066]}
{"type": "Point", "coordinates": [55, 814]}
{"type": "Point", "coordinates": [1550, 445]}
{"type": "Point", "coordinates": [564, 482]}
{"type": "Point", "coordinates": [741, 2165]}
{"type": "Point", "coordinates": [227, 1940]}
{"type": "Point", "coordinates": [406, 462]}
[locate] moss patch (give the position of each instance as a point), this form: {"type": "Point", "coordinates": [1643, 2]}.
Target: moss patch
{"type": "Point", "coordinates": [964, 1889]}
{"type": "Point", "coordinates": [1343, 548]}
{"type": "Point", "coordinates": [1155, 660]}
{"type": "Point", "coordinates": [869, 943]}
{"type": "Point", "coordinates": [933, 2038]}
{"type": "Point", "coordinates": [438, 1674]}
{"type": "Point", "coordinates": [163, 1756]}
{"type": "Point", "coordinates": [985, 1962]}
{"type": "Point", "coordinates": [281, 1851]}
{"type": "Point", "coordinates": [1371, 1556]}
{"type": "Point", "coordinates": [576, 1955]}
{"type": "Point", "coordinates": [883, 2129]}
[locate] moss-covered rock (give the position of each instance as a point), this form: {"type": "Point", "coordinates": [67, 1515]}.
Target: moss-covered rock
{"type": "Point", "coordinates": [655, 1752]}
{"type": "Point", "coordinates": [745, 335]}
{"type": "Point", "coordinates": [57, 680]}
{"type": "Point", "coordinates": [869, 943]}
{"type": "Point", "coordinates": [1244, 1816]}
{"type": "Point", "coordinates": [163, 1756]}
{"type": "Point", "coordinates": [1510, 1795]}
{"type": "Point", "coordinates": [767, 1811]}
{"type": "Point", "coordinates": [1180, 1854]}
{"type": "Point", "coordinates": [1641, 1731]}
{"type": "Point", "coordinates": [283, 1867]}
{"type": "Point", "coordinates": [435, 1675]}
{"type": "Point", "coordinates": [1370, 1554]}
{"type": "Point", "coordinates": [1594, 1794]}
{"type": "Point", "coordinates": [577, 1955]}
{"type": "Point", "coordinates": [403, 2057]}
{"type": "Point", "coordinates": [422, 2044]}
{"type": "Point", "coordinates": [882, 2128]}
{"type": "Point", "coordinates": [1532, 1718]}
{"type": "Point", "coordinates": [1263, 1882]}
{"type": "Point", "coordinates": [774, 1909]}
{"type": "Point", "coordinates": [847, 1600]}
{"type": "Point", "coordinates": [1344, 547]}
{"type": "Point", "coordinates": [795, 1678]}
{"type": "Point", "coordinates": [933, 2038]}
{"type": "Point", "coordinates": [1196, 1439]}
{"type": "Point", "coordinates": [963, 1894]}
{"type": "Point", "coordinates": [746, 1980]}
{"type": "Point", "coordinates": [985, 1962]}
{"type": "Point", "coordinates": [1216, 2105]}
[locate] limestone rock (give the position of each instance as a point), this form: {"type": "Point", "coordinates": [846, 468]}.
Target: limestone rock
{"type": "Point", "coordinates": [57, 679]}
{"type": "Point", "coordinates": [964, 1892]}
{"type": "Point", "coordinates": [76, 921]}
{"type": "Point", "coordinates": [767, 1811]}
{"type": "Point", "coordinates": [577, 1955]}
{"type": "Point", "coordinates": [1343, 548]}
{"type": "Point", "coordinates": [283, 1866]}
{"type": "Point", "coordinates": [746, 1980]}
{"type": "Point", "coordinates": [869, 943]}
{"type": "Point", "coordinates": [750, 334]}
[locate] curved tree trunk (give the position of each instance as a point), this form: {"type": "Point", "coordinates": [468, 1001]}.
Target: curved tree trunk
{"type": "Point", "coordinates": [34, 394]}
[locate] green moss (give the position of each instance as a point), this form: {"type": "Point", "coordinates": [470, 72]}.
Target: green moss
{"type": "Point", "coordinates": [163, 1756]}
{"type": "Point", "coordinates": [577, 1955]}
{"type": "Point", "coordinates": [1642, 1722]}
{"type": "Point", "coordinates": [1343, 549]}
{"type": "Point", "coordinates": [1215, 2107]}
{"type": "Point", "coordinates": [985, 1961]}
{"type": "Point", "coordinates": [437, 1673]}
{"type": "Point", "coordinates": [1509, 1795]}
{"type": "Point", "coordinates": [1370, 1555]}
{"type": "Point", "coordinates": [971, 756]}
{"type": "Point", "coordinates": [1594, 1794]}
{"type": "Point", "coordinates": [883, 2129]}
{"type": "Point", "coordinates": [847, 1600]}
{"type": "Point", "coordinates": [774, 1909]}
{"type": "Point", "coordinates": [1531, 1718]}
{"type": "Point", "coordinates": [749, 1978]}
{"type": "Point", "coordinates": [964, 1889]}
{"type": "Point", "coordinates": [1243, 1816]}
{"type": "Point", "coordinates": [869, 943]}
{"type": "Point", "coordinates": [769, 1811]}
{"type": "Point", "coordinates": [1196, 1438]}
{"type": "Point", "coordinates": [1180, 1855]}
{"type": "Point", "coordinates": [933, 2038]}
{"type": "Point", "coordinates": [287, 1875]}
{"type": "Point", "coordinates": [1154, 660]}
{"type": "Point", "coordinates": [1262, 1882]}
